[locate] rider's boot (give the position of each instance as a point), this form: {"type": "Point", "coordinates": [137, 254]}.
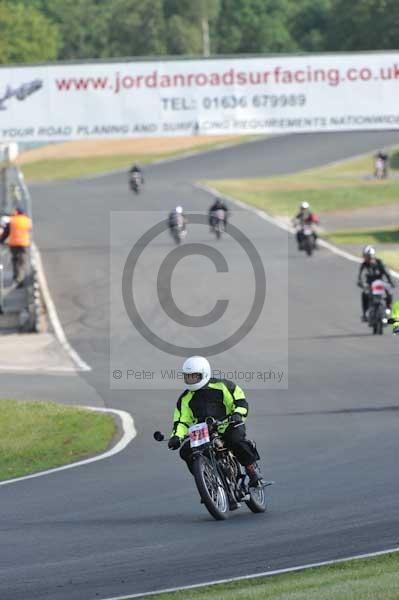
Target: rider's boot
{"type": "Point", "coordinates": [255, 478]}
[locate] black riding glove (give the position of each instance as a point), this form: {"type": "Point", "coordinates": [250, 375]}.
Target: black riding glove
{"type": "Point", "coordinates": [235, 418]}
{"type": "Point", "coordinates": [174, 442]}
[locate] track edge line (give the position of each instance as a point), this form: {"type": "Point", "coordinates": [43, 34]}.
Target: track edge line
{"type": "Point", "coordinates": [53, 315]}
{"type": "Point", "coordinates": [259, 575]}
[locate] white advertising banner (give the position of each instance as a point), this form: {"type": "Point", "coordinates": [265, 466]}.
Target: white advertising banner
{"type": "Point", "coordinates": [329, 92]}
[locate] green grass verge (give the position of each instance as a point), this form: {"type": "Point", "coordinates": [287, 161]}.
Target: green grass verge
{"type": "Point", "coordinates": [391, 258]}
{"type": "Point", "coordinates": [366, 579]}
{"type": "Point", "coordinates": [341, 186]}
{"type": "Point", "coordinates": [35, 436]}
{"type": "Point", "coordinates": [73, 168]}
{"type": "Point", "coordinates": [365, 236]}
{"type": "Point", "coordinates": [361, 237]}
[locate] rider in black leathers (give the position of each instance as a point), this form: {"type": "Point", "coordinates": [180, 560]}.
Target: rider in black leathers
{"type": "Point", "coordinates": [174, 217]}
{"type": "Point", "coordinates": [371, 269]}
{"type": "Point", "coordinates": [218, 204]}
{"type": "Point", "coordinates": [135, 169]}
{"type": "Point", "coordinates": [221, 399]}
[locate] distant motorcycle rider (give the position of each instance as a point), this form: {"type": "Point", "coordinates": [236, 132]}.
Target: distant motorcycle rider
{"type": "Point", "coordinates": [221, 399]}
{"type": "Point", "coordinates": [371, 269]}
{"type": "Point", "coordinates": [218, 204]}
{"type": "Point", "coordinates": [381, 164]}
{"type": "Point", "coordinates": [304, 217]}
{"type": "Point", "coordinates": [176, 216]}
{"type": "Point", "coordinates": [136, 171]}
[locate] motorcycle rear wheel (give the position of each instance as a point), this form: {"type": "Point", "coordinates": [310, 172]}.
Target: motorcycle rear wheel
{"type": "Point", "coordinates": [210, 488]}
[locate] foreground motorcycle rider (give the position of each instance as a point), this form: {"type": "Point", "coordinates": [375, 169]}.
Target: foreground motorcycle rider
{"type": "Point", "coordinates": [218, 398]}
{"type": "Point", "coordinates": [371, 269]}
{"type": "Point", "coordinates": [304, 217]}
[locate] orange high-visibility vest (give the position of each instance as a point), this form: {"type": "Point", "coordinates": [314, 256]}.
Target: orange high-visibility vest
{"type": "Point", "coordinates": [20, 227]}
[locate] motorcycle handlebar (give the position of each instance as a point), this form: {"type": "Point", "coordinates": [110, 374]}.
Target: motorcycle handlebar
{"type": "Point", "coordinates": [210, 421]}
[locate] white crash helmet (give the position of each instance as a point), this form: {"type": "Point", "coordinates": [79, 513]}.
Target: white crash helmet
{"type": "Point", "coordinates": [196, 365]}
{"type": "Point", "coordinates": [305, 205]}
{"type": "Point", "coordinates": [4, 221]}
{"type": "Point", "coordinates": [179, 210]}
{"type": "Point", "coordinates": [369, 252]}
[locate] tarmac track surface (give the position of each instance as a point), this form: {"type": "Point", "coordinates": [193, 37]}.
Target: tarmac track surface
{"type": "Point", "coordinates": [133, 523]}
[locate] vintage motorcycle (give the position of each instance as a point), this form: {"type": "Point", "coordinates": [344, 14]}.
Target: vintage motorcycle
{"type": "Point", "coordinates": [218, 218]}
{"type": "Point", "coordinates": [308, 241]}
{"type": "Point", "coordinates": [135, 182]}
{"type": "Point", "coordinates": [380, 168]}
{"type": "Point", "coordinates": [221, 481]}
{"type": "Point", "coordinates": [378, 312]}
{"type": "Point", "coordinates": [177, 229]}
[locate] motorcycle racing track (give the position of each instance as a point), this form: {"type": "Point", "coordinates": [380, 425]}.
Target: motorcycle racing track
{"type": "Point", "coordinates": [133, 523]}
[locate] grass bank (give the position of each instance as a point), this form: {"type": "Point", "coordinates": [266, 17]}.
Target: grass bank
{"type": "Point", "coordinates": [365, 236]}
{"type": "Point", "coordinates": [387, 240]}
{"type": "Point", "coordinates": [391, 258]}
{"type": "Point", "coordinates": [366, 579]}
{"type": "Point", "coordinates": [35, 436]}
{"type": "Point", "coordinates": [48, 169]}
{"type": "Point", "coordinates": [346, 185]}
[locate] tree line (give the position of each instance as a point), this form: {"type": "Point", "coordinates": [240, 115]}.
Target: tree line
{"type": "Point", "coordinates": [33, 31]}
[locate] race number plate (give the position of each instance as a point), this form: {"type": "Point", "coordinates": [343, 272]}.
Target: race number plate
{"type": "Point", "coordinates": [199, 435]}
{"type": "Point", "coordinates": [378, 287]}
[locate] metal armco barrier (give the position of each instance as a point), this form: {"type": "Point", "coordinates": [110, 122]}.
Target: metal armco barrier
{"type": "Point", "coordinates": [34, 305]}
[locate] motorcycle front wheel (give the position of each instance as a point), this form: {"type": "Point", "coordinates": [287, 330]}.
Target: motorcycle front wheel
{"type": "Point", "coordinates": [257, 499]}
{"type": "Point", "coordinates": [309, 247]}
{"type": "Point", "coordinates": [210, 488]}
{"type": "Point", "coordinates": [176, 236]}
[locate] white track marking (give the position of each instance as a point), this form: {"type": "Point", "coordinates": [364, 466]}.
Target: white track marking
{"type": "Point", "coordinates": [278, 223]}
{"type": "Point", "coordinates": [43, 370]}
{"type": "Point", "coordinates": [257, 575]}
{"type": "Point", "coordinates": [52, 312]}
{"type": "Point", "coordinates": [129, 433]}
